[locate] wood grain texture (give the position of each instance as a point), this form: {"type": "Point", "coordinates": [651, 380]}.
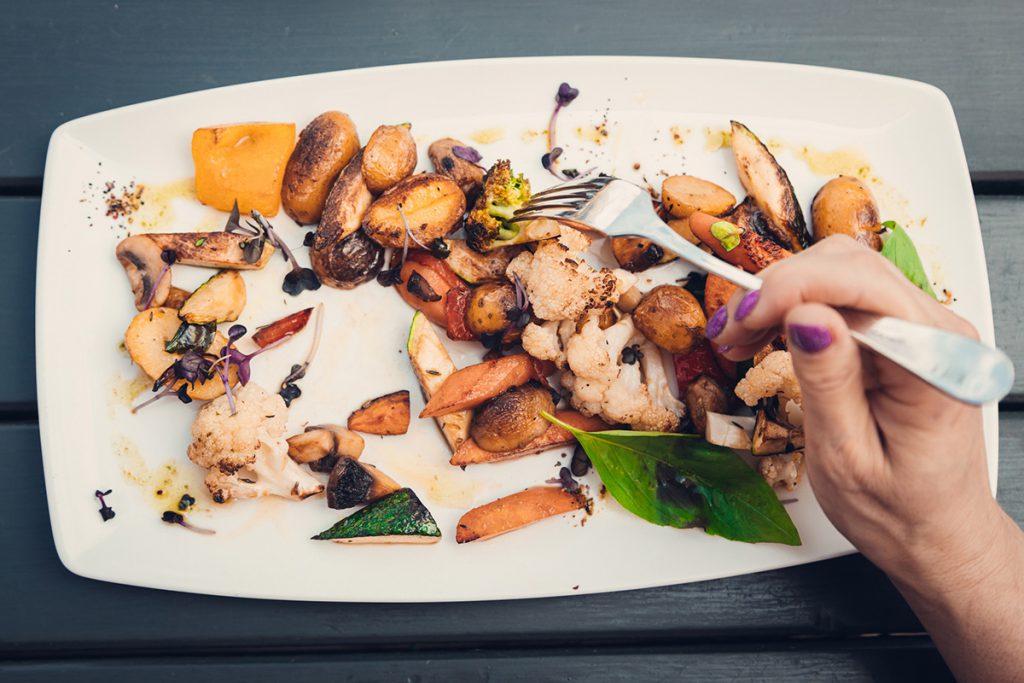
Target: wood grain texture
{"type": "Point", "coordinates": [76, 57]}
{"type": "Point", "coordinates": [62, 614]}
{"type": "Point", "coordinates": [1001, 221]}
{"type": "Point", "coordinates": [866, 660]}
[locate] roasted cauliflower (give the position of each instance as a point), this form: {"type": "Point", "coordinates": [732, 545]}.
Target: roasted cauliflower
{"type": "Point", "coordinates": [773, 376]}
{"type": "Point", "coordinates": [560, 284]}
{"type": "Point", "coordinates": [246, 453]}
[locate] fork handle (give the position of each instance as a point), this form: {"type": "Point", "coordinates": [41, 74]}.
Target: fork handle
{"type": "Point", "coordinates": [963, 368]}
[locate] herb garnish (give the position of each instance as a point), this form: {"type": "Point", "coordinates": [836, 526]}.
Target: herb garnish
{"type": "Point", "coordinates": [106, 512]}
{"type": "Point", "coordinates": [467, 153]}
{"type": "Point", "coordinates": [168, 256]}
{"type": "Point", "coordinates": [563, 98]}
{"type": "Point", "coordinates": [440, 249]}
{"type": "Point", "coordinates": [190, 368]}
{"type": "Point", "coordinates": [289, 390]}
{"type": "Point", "coordinates": [186, 502]}
{"type": "Point", "coordinates": [172, 517]}
{"type": "Point", "coordinates": [261, 231]}
{"type": "Point", "coordinates": [681, 480]}
{"type": "Point", "coordinates": [191, 337]}
{"type": "Point", "coordinates": [899, 249]}
{"type": "Point", "coordinates": [631, 354]}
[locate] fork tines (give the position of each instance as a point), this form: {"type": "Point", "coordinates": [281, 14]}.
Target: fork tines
{"type": "Point", "coordinates": [562, 198]}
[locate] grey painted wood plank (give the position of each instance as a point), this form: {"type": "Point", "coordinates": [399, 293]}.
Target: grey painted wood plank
{"type": "Point", "coordinates": [67, 58]}
{"type": "Point", "coordinates": [61, 614]}
{"type": "Point", "coordinates": [1001, 221]}
{"type": "Point", "coordinates": [859, 661]}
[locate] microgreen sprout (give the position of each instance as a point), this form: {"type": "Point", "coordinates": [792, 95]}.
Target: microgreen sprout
{"type": "Point", "coordinates": [168, 256]}
{"type": "Point", "coordinates": [106, 512]}
{"type": "Point", "coordinates": [172, 517]}
{"type": "Point", "coordinates": [261, 231]}
{"type": "Point", "coordinates": [190, 368]}
{"type": "Point", "coordinates": [565, 480]}
{"type": "Point", "coordinates": [467, 153]}
{"type": "Point", "coordinates": [289, 390]}
{"type": "Point", "coordinates": [563, 98]}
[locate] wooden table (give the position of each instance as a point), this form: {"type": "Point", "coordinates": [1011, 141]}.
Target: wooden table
{"type": "Point", "coordinates": [835, 619]}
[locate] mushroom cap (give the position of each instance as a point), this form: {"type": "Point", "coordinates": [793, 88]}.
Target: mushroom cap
{"type": "Point", "coordinates": [142, 262]}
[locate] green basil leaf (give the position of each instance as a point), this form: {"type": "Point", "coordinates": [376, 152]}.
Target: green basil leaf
{"type": "Point", "coordinates": [899, 249]}
{"type": "Point", "coordinates": [652, 475]}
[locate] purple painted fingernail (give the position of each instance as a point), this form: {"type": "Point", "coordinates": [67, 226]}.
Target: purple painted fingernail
{"type": "Point", "coordinates": [717, 323]}
{"type": "Point", "coordinates": [810, 338]}
{"type": "Point", "coordinates": [747, 304]}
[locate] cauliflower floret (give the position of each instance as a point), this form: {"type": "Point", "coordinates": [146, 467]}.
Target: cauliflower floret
{"type": "Point", "coordinates": [246, 453]}
{"type": "Point", "coordinates": [547, 340]}
{"type": "Point", "coordinates": [560, 284]}
{"type": "Point", "coordinates": [771, 377]}
{"type": "Point", "coordinates": [783, 471]}
{"type": "Point", "coordinates": [636, 394]}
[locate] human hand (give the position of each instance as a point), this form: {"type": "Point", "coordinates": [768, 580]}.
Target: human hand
{"type": "Point", "coordinates": [898, 467]}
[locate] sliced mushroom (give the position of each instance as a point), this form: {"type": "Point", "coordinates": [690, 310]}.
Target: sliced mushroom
{"type": "Point", "coordinates": [320, 446]}
{"type": "Point", "coordinates": [703, 396]}
{"type": "Point", "coordinates": [140, 257]}
{"type": "Point", "coordinates": [769, 437]}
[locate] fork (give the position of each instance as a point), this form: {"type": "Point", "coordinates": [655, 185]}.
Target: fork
{"type": "Point", "coordinates": [961, 367]}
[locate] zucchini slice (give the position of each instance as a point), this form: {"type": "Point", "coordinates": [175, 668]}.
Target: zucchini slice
{"type": "Point", "coordinates": [218, 300]}
{"type": "Point", "coordinates": [433, 365]}
{"type": "Point", "coordinates": [766, 181]}
{"type": "Point", "coordinates": [397, 518]}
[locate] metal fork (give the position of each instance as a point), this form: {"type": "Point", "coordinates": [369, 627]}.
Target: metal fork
{"type": "Point", "coordinates": [961, 367]}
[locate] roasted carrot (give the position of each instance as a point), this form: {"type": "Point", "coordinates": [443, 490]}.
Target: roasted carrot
{"type": "Point", "coordinates": [516, 511]}
{"type": "Point", "coordinates": [749, 251]}
{"type": "Point", "coordinates": [474, 384]}
{"type": "Point", "coordinates": [469, 453]}
{"type": "Point", "coordinates": [717, 292]}
{"type": "Point", "coordinates": [388, 414]}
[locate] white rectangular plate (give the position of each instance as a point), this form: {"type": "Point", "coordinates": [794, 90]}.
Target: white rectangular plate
{"type": "Point", "coordinates": [660, 116]}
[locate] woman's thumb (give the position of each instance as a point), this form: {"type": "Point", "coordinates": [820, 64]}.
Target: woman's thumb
{"type": "Point", "coordinates": [828, 365]}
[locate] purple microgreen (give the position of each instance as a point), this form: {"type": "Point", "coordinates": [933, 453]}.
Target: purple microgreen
{"type": "Point", "coordinates": [236, 332]}
{"type": "Point", "coordinates": [187, 370]}
{"type": "Point", "coordinates": [408, 232]}
{"type": "Point", "coordinates": [289, 391]}
{"type": "Point", "coordinates": [231, 354]}
{"type": "Point", "coordinates": [172, 517]}
{"type": "Point", "coordinates": [307, 240]}
{"type": "Point", "coordinates": [106, 512]}
{"type": "Point", "coordinates": [563, 98]}
{"type": "Point", "coordinates": [298, 279]}
{"type": "Point", "coordinates": [227, 390]}
{"type": "Point", "coordinates": [186, 502]}
{"type": "Point", "coordinates": [440, 249]}
{"type": "Point", "coordinates": [522, 300]}
{"type": "Point", "coordinates": [234, 225]}
{"type": "Point", "coordinates": [467, 153]}
{"type": "Point", "coordinates": [168, 256]}
{"type": "Point", "coordinates": [568, 483]}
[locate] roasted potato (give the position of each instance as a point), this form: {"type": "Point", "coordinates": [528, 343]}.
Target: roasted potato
{"type": "Point", "coordinates": [682, 228]}
{"type": "Point", "coordinates": [670, 317]}
{"type": "Point", "coordinates": [348, 262]}
{"type": "Point", "coordinates": [636, 254]}
{"type": "Point", "coordinates": [146, 337]}
{"type": "Point", "coordinates": [244, 162]}
{"type": "Point", "coordinates": [717, 292]}
{"type": "Point", "coordinates": [325, 146]}
{"type": "Point", "coordinates": [218, 300]}
{"type": "Point", "coordinates": [704, 395]}
{"type": "Point", "coordinates": [683, 194]}
{"type": "Point", "coordinates": [432, 205]}
{"type": "Point", "coordinates": [845, 206]}
{"type": "Point", "coordinates": [467, 175]}
{"type": "Point", "coordinates": [390, 156]}
{"type": "Point", "coordinates": [492, 307]}
{"type": "Point", "coordinates": [346, 205]}
{"type": "Point", "coordinates": [512, 419]}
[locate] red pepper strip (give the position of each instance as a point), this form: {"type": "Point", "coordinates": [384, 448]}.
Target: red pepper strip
{"type": "Point", "coordinates": [698, 361]}
{"type": "Point", "coordinates": [285, 327]}
{"type": "Point", "coordinates": [455, 304]}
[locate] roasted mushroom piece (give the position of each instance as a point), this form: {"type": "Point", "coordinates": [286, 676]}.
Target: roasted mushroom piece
{"type": "Point", "coordinates": [770, 437]}
{"type": "Point", "coordinates": [703, 396]}
{"type": "Point", "coordinates": [512, 419]}
{"type": "Point", "coordinates": [349, 262]}
{"type": "Point", "coordinates": [353, 483]}
{"type": "Point", "coordinates": [142, 260]}
{"type": "Point", "coordinates": [320, 446]}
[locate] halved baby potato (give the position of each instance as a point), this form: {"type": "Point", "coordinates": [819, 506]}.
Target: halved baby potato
{"type": "Point", "coordinates": [146, 337]}
{"type": "Point", "coordinates": [218, 300]}
{"type": "Point", "coordinates": [325, 146]}
{"type": "Point", "coordinates": [432, 205]}
{"type": "Point", "coordinates": [684, 194]}
{"type": "Point", "coordinates": [390, 156]}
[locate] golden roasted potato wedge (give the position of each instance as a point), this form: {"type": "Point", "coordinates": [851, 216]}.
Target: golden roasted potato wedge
{"type": "Point", "coordinates": [346, 205]}
{"type": "Point", "coordinates": [845, 206]}
{"type": "Point", "coordinates": [389, 156]}
{"type": "Point", "coordinates": [432, 205]}
{"type": "Point", "coordinates": [516, 511]}
{"type": "Point", "coordinates": [467, 175]}
{"type": "Point", "coordinates": [218, 300]}
{"type": "Point", "coordinates": [388, 414]}
{"type": "Point", "coordinates": [683, 194]}
{"type": "Point", "coordinates": [210, 249]}
{"type": "Point", "coordinates": [145, 338]}
{"type": "Point", "coordinates": [325, 146]}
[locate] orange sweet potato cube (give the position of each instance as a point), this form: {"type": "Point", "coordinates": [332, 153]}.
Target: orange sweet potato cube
{"type": "Point", "coordinates": [244, 161]}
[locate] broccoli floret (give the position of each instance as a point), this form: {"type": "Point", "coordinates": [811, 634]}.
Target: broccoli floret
{"type": "Point", "coordinates": [489, 224]}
